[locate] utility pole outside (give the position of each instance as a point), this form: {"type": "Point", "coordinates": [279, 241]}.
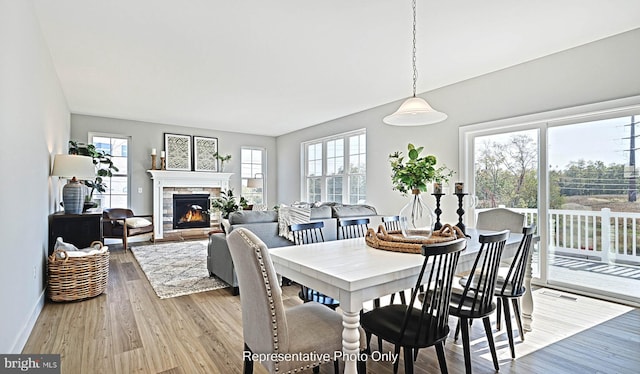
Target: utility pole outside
{"type": "Point", "coordinates": [633, 193]}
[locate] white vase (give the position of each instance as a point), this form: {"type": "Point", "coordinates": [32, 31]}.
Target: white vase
{"type": "Point", "coordinates": [416, 218]}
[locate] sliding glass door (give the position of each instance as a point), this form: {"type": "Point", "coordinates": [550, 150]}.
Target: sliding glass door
{"type": "Point", "coordinates": [574, 175]}
{"type": "Point", "coordinates": [594, 210]}
{"type": "Point", "coordinates": [505, 175]}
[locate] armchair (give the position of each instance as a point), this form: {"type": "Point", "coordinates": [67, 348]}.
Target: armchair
{"type": "Point", "coordinates": [120, 223]}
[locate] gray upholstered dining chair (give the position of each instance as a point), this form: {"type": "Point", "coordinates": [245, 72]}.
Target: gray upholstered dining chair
{"type": "Point", "coordinates": [499, 219]}
{"type": "Point", "coordinates": [269, 328]}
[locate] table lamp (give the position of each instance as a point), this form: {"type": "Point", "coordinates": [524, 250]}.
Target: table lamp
{"type": "Point", "coordinates": [73, 166]}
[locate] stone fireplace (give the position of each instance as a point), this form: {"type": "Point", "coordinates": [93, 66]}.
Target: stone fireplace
{"type": "Point", "coordinates": [167, 183]}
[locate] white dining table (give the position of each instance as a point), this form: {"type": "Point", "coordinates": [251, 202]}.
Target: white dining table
{"type": "Point", "coordinates": [352, 272]}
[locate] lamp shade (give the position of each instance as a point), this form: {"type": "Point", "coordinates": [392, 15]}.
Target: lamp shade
{"type": "Point", "coordinates": [254, 183]}
{"type": "Point", "coordinates": [415, 111]}
{"type": "Point", "coordinates": [73, 166]}
{"type": "Point", "coordinates": [69, 166]}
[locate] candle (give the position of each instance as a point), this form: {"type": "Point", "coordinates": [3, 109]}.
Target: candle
{"type": "Point", "coordinates": [153, 151]}
{"type": "Point", "coordinates": [161, 153]}
{"type": "Point", "coordinates": [459, 187]}
{"type": "Point", "coordinates": [437, 187]}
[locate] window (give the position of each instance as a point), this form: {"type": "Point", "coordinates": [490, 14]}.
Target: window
{"type": "Point", "coordinates": [117, 187]}
{"type": "Point", "coordinates": [335, 168]}
{"type": "Point", "coordinates": [252, 174]}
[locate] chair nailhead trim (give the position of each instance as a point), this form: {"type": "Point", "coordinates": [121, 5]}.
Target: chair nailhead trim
{"type": "Point", "coordinates": [263, 270]}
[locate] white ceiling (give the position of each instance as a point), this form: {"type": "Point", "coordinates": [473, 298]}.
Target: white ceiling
{"type": "Point", "coordinates": [272, 67]}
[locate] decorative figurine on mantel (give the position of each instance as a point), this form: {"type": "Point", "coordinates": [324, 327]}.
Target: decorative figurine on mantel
{"type": "Point", "coordinates": [153, 159]}
{"type": "Point", "coordinates": [222, 159]}
{"type": "Point", "coordinates": [163, 163]}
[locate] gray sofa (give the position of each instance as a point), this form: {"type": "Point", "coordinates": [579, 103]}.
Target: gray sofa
{"type": "Point", "coordinates": [265, 225]}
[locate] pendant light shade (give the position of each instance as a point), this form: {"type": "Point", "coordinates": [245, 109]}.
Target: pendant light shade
{"type": "Point", "coordinates": [415, 111]}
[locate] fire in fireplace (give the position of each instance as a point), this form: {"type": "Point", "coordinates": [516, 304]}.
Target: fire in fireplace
{"type": "Point", "coordinates": [190, 211]}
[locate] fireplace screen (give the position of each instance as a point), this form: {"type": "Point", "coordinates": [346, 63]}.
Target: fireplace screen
{"type": "Point", "coordinates": [190, 211]}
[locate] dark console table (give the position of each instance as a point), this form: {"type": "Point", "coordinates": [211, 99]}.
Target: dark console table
{"type": "Point", "coordinates": [77, 229]}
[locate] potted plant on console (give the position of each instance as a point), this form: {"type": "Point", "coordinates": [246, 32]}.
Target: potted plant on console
{"type": "Point", "coordinates": [226, 203]}
{"type": "Point", "coordinates": [414, 173]}
{"type": "Point", "coordinates": [104, 168]}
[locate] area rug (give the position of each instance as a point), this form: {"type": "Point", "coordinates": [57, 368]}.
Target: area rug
{"type": "Point", "coordinates": [176, 269]}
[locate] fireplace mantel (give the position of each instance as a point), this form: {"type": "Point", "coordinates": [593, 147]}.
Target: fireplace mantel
{"type": "Point", "coordinates": [171, 178]}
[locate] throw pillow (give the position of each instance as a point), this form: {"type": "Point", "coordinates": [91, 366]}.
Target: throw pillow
{"type": "Point", "coordinates": [137, 222]}
{"type": "Point", "coordinates": [60, 244]}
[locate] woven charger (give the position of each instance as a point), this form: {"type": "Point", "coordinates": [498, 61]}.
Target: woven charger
{"type": "Point", "coordinates": [396, 242]}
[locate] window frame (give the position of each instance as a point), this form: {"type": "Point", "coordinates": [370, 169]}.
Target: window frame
{"type": "Point", "coordinates": [324, 178]}
{"type": "Point", "coordinates": [244, 179]}
{"type": "Point", "coordinates": [90, 137]}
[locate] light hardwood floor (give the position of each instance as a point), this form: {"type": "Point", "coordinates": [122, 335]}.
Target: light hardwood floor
{"type": "Point", "coordinates": [129, 329]}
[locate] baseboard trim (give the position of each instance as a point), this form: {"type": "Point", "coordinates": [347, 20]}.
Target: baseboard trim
{"type": "Point", "coordinates": [21, 341]}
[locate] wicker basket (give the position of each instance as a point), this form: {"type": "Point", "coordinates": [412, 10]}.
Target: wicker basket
{"type": "Point", "coordinates": [77, 278]}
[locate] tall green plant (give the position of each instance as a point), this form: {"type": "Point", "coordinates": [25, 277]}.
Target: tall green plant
{"type": "Point", "coordinates": [415, 172]}
{"type": "Point", "coordinates": [102, 161]}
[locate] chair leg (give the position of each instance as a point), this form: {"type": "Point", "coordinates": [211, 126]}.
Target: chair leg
{"type": "Point", "coordinates": [498, 313]}
{"type": "Point", "coordinates": [457, 333]}
{"type": "Point", "coordinates": [379, 344]}
{"type": "Point", "coordinates": [248, 363]}
{"type": "Point", "coordinates": [507, 320]}
{"type": "Point", "coordinates": [124, 243]}
{"type": "Point", "coordinates": [408, 360]}
{"type": "Point", "coordinates": [516, 311]}
{"type": "Point", "coordinates": [403, 298]}
{"type": "Point", "coordinates": [368, 335]}
{"type": "Point", "coordinates": [316, 369]}
{"type": "Point", "coordinates": [463, 323]}
{"type": "Point", "coordinates": [492, 345]}
{"type": "Point", "coordinates": [441, 359]}
{"type": "Point", "coordinates": [396, 351]}
{"type": "Point", "coordinates": [336, 367]}
{"type": "Point", "coordinates": [361, 367]}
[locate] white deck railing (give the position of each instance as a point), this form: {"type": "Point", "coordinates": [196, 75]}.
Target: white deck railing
{"type": "Point", "coordinates": [581, 232]}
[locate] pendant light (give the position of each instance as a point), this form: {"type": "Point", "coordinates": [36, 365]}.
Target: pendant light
{"type": "Point", "coordinates": [415, 111]}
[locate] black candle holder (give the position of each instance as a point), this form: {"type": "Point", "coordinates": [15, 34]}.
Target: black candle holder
{"type": "Point", "coordinates": [460, 212]}
{"type": "Point", "coordinates": [438, 211]}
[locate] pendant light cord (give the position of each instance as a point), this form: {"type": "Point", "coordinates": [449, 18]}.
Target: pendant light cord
{"type": "Point", "coordinates": [415, 69]}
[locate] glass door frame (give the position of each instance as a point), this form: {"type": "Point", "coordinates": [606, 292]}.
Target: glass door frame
{"type": "Point", "coordinates": [541, 122]}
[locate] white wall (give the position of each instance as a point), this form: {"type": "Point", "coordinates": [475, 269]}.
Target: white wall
{"type": "Point", "coordinates": [146, 135]}
{"type": "Point", "coordinates": [599, 71]}
{"type": "Point", "coordinates": [35, 126]}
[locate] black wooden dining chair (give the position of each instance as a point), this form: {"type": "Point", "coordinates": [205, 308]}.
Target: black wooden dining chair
{"type": "Point", "coordinates": [510, 286]}
{"type": "Point", "coordinates": [411, 328]}
{"type": "Point", "coordinates": [391, 223]}
{"type": "Point", "coordinates": [476, 300]}
{"type": "Point", "coordinates": [307, 233]}
{"type": "Point", "coordinates": [352, 228]}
